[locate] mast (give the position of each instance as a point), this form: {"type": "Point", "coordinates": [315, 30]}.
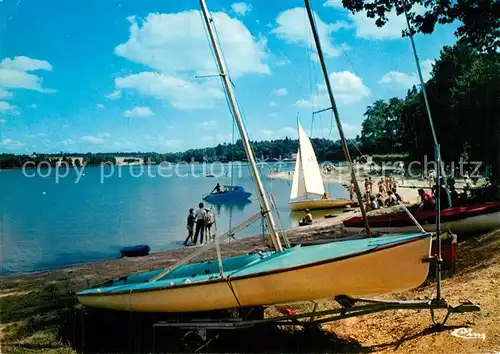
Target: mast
{"type": "Point", "coordinates": [265, 208]}
{"type": "Point", "coordinates": [437, 151]}
{"type": "Point", "coordinates": [336, 114]}
{"type": "Point", "coordinates": [440, 168]}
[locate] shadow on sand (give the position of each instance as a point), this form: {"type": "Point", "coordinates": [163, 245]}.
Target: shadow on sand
{"type": "Point", "coordinates": [98, 331]}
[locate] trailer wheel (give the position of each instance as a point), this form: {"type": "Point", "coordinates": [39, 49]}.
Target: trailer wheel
{"type": "Point", "coordinates": [193, 340]}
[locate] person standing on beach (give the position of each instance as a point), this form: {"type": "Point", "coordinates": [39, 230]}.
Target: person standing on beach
{"type": "Point", "coordinates": [200, 223]}
{"type": "Point", "coordinates": [190, 226]}
{"type": "Point", "coordinates": [209, 220]}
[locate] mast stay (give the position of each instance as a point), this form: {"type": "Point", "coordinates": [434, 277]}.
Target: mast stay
{"type": "Point", "coordinates": [336, 115]}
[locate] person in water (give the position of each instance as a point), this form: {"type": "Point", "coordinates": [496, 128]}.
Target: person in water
{"type": "Point", "coordinates": [190, 226]}
{"type": "Point", "coordinates": [200, 223]}
{"type": "Point", "coordinates": [307, 219]}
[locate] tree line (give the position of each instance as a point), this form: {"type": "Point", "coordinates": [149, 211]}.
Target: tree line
{"type": "Point", "coordinates": [278, 150]}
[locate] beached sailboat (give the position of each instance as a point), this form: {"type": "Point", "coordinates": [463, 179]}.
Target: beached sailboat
{"type": "Point", "coordinates": [392, 263]}
{"type": "Point", "coordinates": [307, 180]}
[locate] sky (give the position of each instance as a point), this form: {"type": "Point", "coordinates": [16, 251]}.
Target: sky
{"type": "Point", "coordinates": [125, 75]}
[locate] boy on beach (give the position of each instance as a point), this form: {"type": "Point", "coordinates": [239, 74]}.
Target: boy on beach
{"type": "Point", "coordinates": [190, 226]}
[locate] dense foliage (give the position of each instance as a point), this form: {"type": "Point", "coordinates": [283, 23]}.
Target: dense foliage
{"type": "Point", "coordinates": [464, 97]}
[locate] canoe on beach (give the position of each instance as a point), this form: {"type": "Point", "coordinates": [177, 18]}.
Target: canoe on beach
{"type": "Point", "coordinates": [475, 218]}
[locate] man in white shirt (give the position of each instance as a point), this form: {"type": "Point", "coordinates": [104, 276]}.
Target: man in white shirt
{"type": "Point", "coordinates": [200, 223]}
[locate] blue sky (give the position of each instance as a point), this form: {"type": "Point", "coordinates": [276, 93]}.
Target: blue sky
{"type": "Point", "coordinates": [119, 75]}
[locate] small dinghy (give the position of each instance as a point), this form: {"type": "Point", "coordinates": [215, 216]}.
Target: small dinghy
{"type": "Point", "coordinates": [229, 194]}
{"type": "Point", "coordinates": [135, 251]}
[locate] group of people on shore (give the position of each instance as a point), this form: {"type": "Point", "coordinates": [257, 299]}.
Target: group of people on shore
{"type": "Point", "coordinates": [200, 223]}
{"type": "Point", "coordinates": [386, 194]}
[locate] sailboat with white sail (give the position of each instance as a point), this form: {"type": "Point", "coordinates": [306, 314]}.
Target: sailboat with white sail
{"type": "Point", "coordinates": [308, 190]}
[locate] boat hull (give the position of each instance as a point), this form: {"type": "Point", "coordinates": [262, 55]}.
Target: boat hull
{"type": "Point", "coordinates": [313, 204]}
{"type": "Point", "coordinates": [396, 267]}
{"type": "Point", "coordinates": [227, 197]}
{"type": "Point", "coordinates": [474, 219]}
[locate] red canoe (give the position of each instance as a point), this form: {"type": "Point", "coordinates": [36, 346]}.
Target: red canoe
{"type": "Point", "coordinates": [462, 219]}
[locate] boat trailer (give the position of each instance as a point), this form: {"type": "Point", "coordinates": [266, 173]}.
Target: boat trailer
{"type": "Point", "coordinates": [197, 337]}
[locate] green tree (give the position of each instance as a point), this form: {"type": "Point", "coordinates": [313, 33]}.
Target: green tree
{"type": "Point", "coordinates": [479, 19]}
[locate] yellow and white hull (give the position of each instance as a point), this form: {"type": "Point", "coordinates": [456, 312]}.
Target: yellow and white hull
{"type": "Point", "coordinates": [380, 270]}
{"type": "Point", "coordinates": [313, 204]}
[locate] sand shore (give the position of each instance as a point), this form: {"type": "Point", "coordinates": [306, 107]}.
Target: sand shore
{"type": "Point", "coordinates": [407, 187]}
{"type": "Point", "coordinates": [38, 312]}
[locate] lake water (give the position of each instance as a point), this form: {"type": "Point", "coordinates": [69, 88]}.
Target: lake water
{"type": "Point", "coordinates": [48, 222]}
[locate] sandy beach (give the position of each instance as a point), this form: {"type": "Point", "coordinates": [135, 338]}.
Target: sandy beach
{"type": "Point", "coordinates": [39, 312]}
{"type": "Point", "coordinates": [407, 187]}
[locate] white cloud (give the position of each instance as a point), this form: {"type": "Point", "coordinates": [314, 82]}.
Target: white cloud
{"type": "Point", "coordinates": [367, 29]}
{"type": "Point", "coordinates": [138, 112]}
{"type": "Point", "coordinates": [269, 134]}
{"type": "Point", "coordinates": [4, 94]}
{"type": "Point", "coordinates": [408, 80]}
{"type": "Point", "coordinates": [14, 73]}
{"type": "Point", "coordinates": [334, 3]}
{"type": "Point", "coordinates": [347, 89]}
{"type": "Point", "coordinates": [282, 62]}
{"type": "Point", "coordinates": [34, 106]}
{"type": "Point", "coordinates": [293, 27]}
{"type": "Point", "coordinates": [241, 8]}
{"type": "Point", "coordinates": [114, 95]}
{"type": "Point", "coordinates": [11, 144]}
{"type": "Point", "coordinates": [99, 139]}
{"type": "Point", "coordinates": [7, 108]}
{"type": "Point", "coordinates": [280, 92]}
{"type": "Point", "coordinates": [160, 142]}
{"type": "Point", "coordinates": [209, 124]}
{"type": "Point", "coordinates": [22, 63]}
{"type": "Point", "coordinates": [67, 142]}
{"type": "Point", "coordinates": [182, 94]}
{"type": "Point", "coordinates": [39, 135]}
{"type": "Point", "coordinates": [99, 106]}
{"type": "Point", "coordinates": [177, 43]}
{"type": "Point", "coordinates": [219, 138]}
{"type": "Point", "coordinates": [273, 104]}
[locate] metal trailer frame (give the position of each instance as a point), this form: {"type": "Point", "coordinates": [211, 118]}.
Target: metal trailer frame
{"type": "Point", "coordinates": [196, 338]}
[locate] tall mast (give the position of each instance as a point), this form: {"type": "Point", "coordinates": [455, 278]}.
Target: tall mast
{"type": "Point", "coordinates": [437, 155]}
{"type": "Point", "coordinates": [336, 114]}
{"type": "Point", "coordinates": [437, 152]}
{"type": "Point", "coordinates": [266, 210]}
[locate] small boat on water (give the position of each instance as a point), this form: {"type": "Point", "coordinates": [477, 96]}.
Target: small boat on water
{"type": "Point", "coordinates": [228, 194]}
{"type": "Point", "coordinates": [135, 251]}
{"type": "Point", "coordinates": [460, 220]}
{"type": "Point", "coordinates": [389, 263]}
{"type": "Point", "coordinates": [307, 180]}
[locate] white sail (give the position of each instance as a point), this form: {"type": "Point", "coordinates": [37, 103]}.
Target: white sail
{"type": "Point", "coordinates": [309, 165]}
{"type": "Point", "coordinates": [298, 185]}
